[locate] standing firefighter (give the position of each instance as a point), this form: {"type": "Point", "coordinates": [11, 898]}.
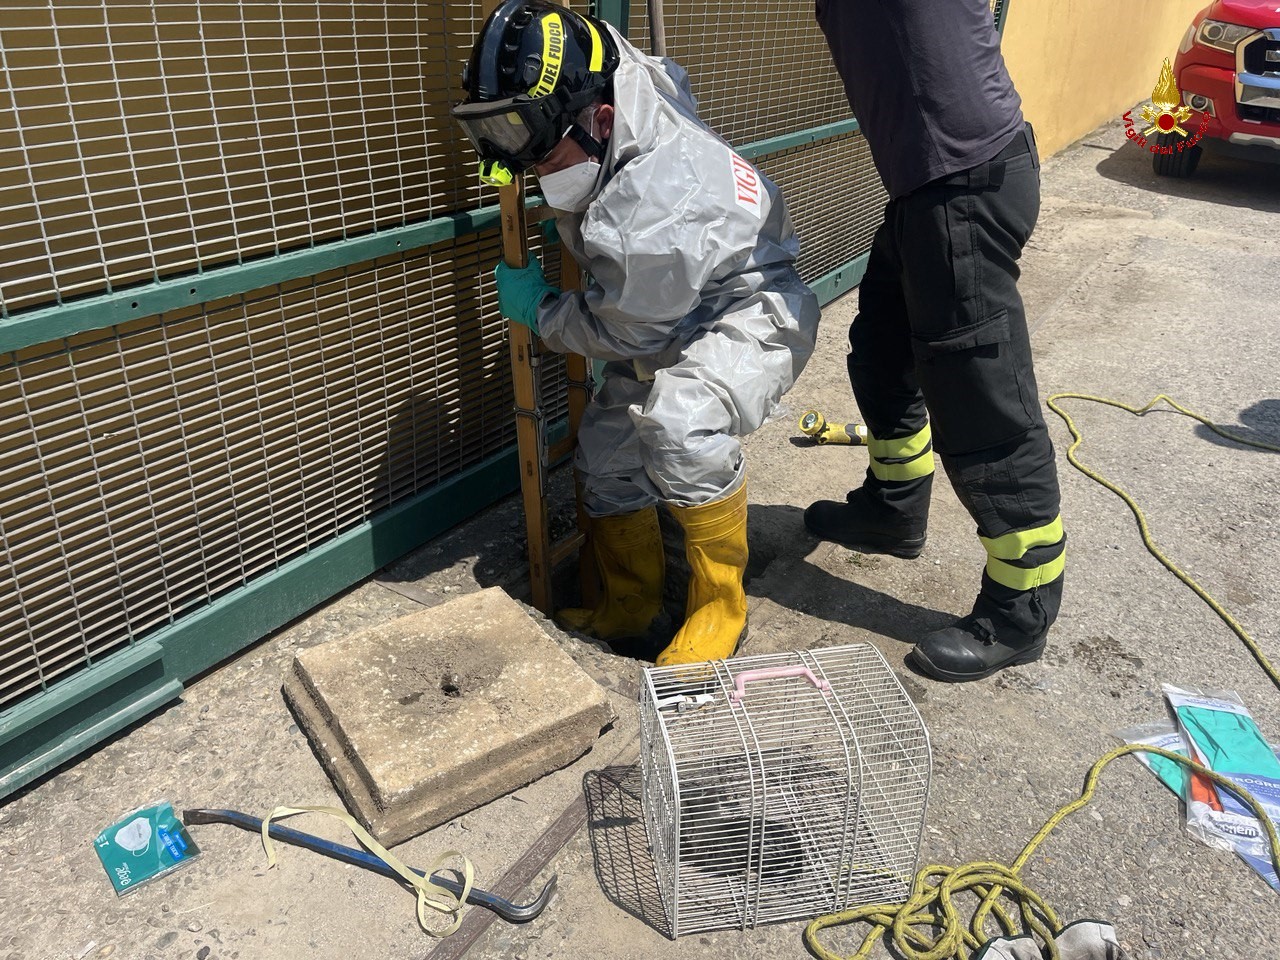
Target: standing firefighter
{"type": "Point", "coordinates": [693, 301]}
{"type": "Point", "coordinates": [940, 323]}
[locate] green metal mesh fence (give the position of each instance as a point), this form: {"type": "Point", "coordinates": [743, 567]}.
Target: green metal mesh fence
{"type": "Point", "coordinates": [154, 468]}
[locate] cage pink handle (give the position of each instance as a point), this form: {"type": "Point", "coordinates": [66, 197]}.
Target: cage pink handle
{"type": "Point", "coordinates": [774, 673]}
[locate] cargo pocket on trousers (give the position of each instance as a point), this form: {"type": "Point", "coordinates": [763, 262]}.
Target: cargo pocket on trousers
{"type": "Point", "coordinates": [972, 385]}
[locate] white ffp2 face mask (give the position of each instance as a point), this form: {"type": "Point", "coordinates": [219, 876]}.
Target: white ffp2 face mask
{"type": "Point", "coordinates": [570, 189]}
{"type": "Point", "coordinates": [135, 836]}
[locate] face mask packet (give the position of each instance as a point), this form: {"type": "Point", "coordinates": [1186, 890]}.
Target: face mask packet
{"type": "Point", "coordinates": [145, 844]}
{"type": "Point", "coordinates": [1220, 733]}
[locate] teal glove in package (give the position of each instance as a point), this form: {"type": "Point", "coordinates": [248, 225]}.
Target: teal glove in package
{"type": "Point", "coordinates": [1222, 734]}
{"type": "Point", "coordinates": [146, 844]}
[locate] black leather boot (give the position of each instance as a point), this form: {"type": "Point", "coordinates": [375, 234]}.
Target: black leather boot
{"type": "Point", "coordinates": [876, 518]}
{"type": "Point", "coordinates": [1004, 629]}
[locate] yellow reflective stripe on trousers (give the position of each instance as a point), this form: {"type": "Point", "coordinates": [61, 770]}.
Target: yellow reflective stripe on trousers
{"type": "Point", "coordinates": [903, 448]}
{"type": "Point", "coordinates": [915, 447]}
{"type": "Point", "coordinates": [921, 466]}
{"type": "Point", "coordinates": [1013, 546]}
{"type": "Point", "coordinates": [1022, 578]}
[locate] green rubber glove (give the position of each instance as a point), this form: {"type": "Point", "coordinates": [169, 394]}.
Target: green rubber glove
{"type": "Point", "coordinates": [550, 232]}
{"type": "Point", "coordinates": [521, 292]}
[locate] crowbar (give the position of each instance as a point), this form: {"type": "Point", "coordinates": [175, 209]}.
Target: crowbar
{"type": "Point", "coordinates": [511, 912]}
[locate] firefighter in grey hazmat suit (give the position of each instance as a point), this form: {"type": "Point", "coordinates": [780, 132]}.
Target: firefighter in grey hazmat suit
{"type": "Point", "coordinates": [693, 302]}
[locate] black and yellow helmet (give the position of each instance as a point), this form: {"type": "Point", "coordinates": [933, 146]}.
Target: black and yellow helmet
{"type": "Point", "coordinates": [534, 66]}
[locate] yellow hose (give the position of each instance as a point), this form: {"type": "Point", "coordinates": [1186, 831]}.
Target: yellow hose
{"type": "Point", "coordinates": [928, 926]}
{"type": "Point", "coordinates": [1115, 488]}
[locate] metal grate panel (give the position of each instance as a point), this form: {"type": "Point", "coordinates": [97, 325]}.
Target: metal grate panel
{"type": "Point", "coordinates": [141, 140]}
{"type": "Point", "coordinates": [151, 468]}
{"type": "Point", "coordinates": [758, 70]}
{"type": "Point", "coordinates": [997, 11]}
{"type": "Point", "coordinates": [835, 198]}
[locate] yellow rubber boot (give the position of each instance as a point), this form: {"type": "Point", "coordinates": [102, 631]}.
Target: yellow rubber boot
{"type": "Point", "coordinates": [632, 567]}
{"type": "Point", "coordinates": [715, 621]}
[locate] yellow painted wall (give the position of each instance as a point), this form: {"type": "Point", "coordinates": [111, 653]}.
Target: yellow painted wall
{"type": "Point", "coordinates": [1080, 63]}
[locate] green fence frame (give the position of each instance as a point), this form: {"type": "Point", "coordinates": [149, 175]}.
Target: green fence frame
{"type": "Point", "coordinates": [54, 726]}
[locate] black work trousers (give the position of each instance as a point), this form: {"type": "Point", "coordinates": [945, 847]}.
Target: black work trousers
{"type": "Point", "coordinates": [941, 327]}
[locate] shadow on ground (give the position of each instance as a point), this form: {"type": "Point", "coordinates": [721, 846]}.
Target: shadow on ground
{"type": "Point", "coordinates": [490, 549]}
{"type": "Point", "coordinates": [615, 824]}
{"type": "Point", "coordinates": [809, 589]}
{"type": "Point", "coordinates": [1218, 179]}
{"type": "Point", "coordinates": [1259, 423]}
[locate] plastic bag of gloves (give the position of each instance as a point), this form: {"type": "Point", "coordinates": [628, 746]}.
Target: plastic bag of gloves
{"type": "Point", "coordinates": [1221, 734]}
{"type": "Point", "coordinates": [1229, 742]}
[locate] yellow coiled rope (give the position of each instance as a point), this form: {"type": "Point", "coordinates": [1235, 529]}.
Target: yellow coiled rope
{"type": "Point", "coordinates": [928, 926]}
{"type": "Point", "coordinates": [931, 905]}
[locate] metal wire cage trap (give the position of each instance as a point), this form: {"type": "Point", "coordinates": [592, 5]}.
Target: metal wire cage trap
{"type": "Point", "coordinates": [781, 787]}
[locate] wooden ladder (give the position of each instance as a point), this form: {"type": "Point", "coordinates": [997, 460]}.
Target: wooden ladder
{"type": "Point", "coordinates": [536, 454]}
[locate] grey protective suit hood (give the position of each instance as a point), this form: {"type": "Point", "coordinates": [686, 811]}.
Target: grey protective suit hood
{"type": "Point", "coordinates": [692, 295]}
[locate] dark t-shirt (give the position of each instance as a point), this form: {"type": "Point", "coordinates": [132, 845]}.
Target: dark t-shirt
{"type": "Point", "coordinates": [927, 83]}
